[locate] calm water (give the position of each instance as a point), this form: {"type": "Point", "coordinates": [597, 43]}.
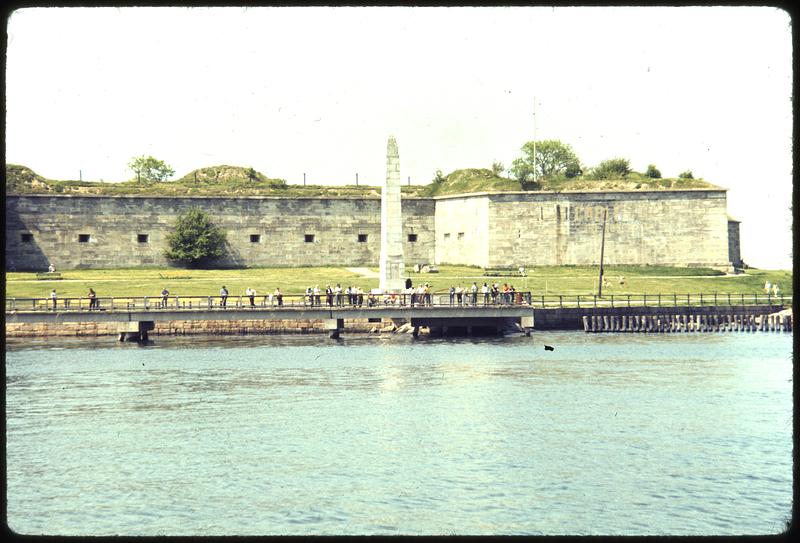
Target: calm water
{"type": "Point", "coordinates": [607, 434]}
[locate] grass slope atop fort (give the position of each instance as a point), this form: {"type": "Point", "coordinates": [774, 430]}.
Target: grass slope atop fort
{"type": "Point", "coordinates": [235, 181]}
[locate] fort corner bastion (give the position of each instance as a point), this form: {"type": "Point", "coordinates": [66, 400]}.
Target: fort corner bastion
{"type": "Point", "coordinates": [672, 227]}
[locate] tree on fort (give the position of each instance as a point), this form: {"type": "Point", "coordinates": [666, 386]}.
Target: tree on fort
{"type": "Point", "coordinates": [553, 158]}
{"type": "Point", "coordinates": [149, 169]}
{"type": "Point", "coordinates": [613, 168]}
{"type": "Point", "coordinates": [196, 240]}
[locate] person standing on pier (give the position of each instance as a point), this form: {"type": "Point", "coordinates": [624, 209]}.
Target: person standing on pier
{"type": "Point", "coordinates": [485, 291]}
{"type": "Point", "coordinates": [92, 299]}
{"type": "Point", "coordinates": [223, 294]}
{"type": "Point", "coordinates": [474, 291]}
{"type": "Point", "coordinates": [329, 295]}
{"type": "Point", "coordinates": [251, 293]}
{"type": "Point", "coordinates": [164, 296]}
{"type": "Point", "coordinates": [279, 296]}
{"type": "Point", "coordinates": [54, 297]}
{"type": "Point", "coordinates": [767, 287]}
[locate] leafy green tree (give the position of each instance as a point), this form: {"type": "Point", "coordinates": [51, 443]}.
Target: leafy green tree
{"type": "Point", "coordinates": [553, 158]}
{"type": "Point", "coordinates": [439, 177]}
{"type": "Point", "coordinates": [652, 172]}
{"type": "Point", "coordinates": [613, 168]}
{"type": "Point", "coordinates": [252, 175]}
{"type": "Point", "coordinates": [497, 168]}
{"type": "Point", "coordinates": [686, 175]}
{"type": "Point", "coordinates": [149, 169]}
{"type": "Point", "coordinates": [196, 240]}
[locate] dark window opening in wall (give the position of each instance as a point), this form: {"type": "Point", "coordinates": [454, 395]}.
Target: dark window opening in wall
{"type": "Point", "coordinates": [83, 238]}
{"type": "Point", "coordinates": [143, 238]}
{"type": "Point", "coordinates": [374, 319]}
{"type": "Point", "coordinates": [558, 213]}
{"type": "Point", "coordinates": [362, 238]}
{"type": "Point", "coordinates": [255, 238]}
{"type": "Point", "coordinates": [447, 236]}
{"type": "Point", "coordinates": [309, 238]}
{"type": "Point", "coordinates": [461, 235]}
{"type": "Point", "coordinates": [412, 238]}
{"type": "Point", "coordinates": [27, 238]}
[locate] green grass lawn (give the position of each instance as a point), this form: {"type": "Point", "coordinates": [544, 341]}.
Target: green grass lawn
{"type": "Point", "coordinates": [567, 280]}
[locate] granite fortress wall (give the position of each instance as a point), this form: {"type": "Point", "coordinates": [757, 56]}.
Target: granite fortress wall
{"type": "Point", "coordinates": [677, 227]}
{"type": "Point", "coordinates": [128, 231]}
{"type": "Point", "coordinates": [669, 227]}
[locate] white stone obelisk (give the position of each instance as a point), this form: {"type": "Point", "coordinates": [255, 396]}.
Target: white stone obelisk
{"type": "Point", "coordinates": [391, 263]}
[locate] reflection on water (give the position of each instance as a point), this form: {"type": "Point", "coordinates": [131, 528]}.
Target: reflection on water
{"type": "Point", "coordinates": [252, 435]}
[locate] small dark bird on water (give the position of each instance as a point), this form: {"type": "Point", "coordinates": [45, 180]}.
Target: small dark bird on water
{"type": "Point", "coordinates": [549, 348]}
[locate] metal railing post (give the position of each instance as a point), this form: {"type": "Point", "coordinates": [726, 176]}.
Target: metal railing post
{"type": "Point", "coordinates": [675, 299]}
{"type": "Point", "coordinates": [701, 299]}
{"type": "Point", "coordinates": [612, 300]}
{"type": "Point", "coordinates": [629, 300]}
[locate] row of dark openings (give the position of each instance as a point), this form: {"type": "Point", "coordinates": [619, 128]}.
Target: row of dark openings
{"type": "Point", "coordinates": [254, 238]}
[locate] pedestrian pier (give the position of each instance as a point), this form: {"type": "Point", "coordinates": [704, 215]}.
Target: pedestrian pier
{"type": "Point", "coordinates": [439, 313]}
{"type": "Point", "coordinates": [137, 316]}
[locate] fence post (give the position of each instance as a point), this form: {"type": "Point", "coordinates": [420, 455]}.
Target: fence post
{"type": "Point", "coordinates": [701, 299]}
{"type": "Point", "coordinates": [595, 300]}
{"type": "Point", "coordinates": [675, 298]}
{"type": "Point", "coordinates": [542, 301]}
{"type": "Point", "coordinates": [729, 298]}
{"type": "Point", "coordinates": [629, 300]}
{"type": "Point", "coordinates": [112, 303]}
{"type": "Point", "coordinates": [145, 302]}
{"type": "Point", "coordinates": [742, 298]}
{"type": "Point", "coordinates": [644, 302]}
{"type": "Point", "coordinates": [715, 298]}
{"type": "Point", "coordinates": [659, 299]}
{"type": "Point", "coordinates": [612, 300]}
{"type": "Point", "coordinates": [579, 301]}
{"type": "Point", "coordinates": [560, 301]}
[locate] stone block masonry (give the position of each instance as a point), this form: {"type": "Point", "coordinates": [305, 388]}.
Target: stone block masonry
{"type": "Point", "coordinates": [129, 231]}
{"type": "Point", "coordinates": [687, 227]}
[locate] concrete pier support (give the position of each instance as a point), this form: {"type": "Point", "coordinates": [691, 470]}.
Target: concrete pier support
{"type": "Point", "coordinates": [135, 330]}
{"type": "Point", "coordinates": [334, 327]}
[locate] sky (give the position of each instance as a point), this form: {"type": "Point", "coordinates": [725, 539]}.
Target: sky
{"type": "Point", "coordinates": [294, 91]}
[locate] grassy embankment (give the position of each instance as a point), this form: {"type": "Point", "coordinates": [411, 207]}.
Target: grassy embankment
{"type": "Point", "coordinates": [239, 181]}
{"type": "Point", "coordinates": [567, 280]}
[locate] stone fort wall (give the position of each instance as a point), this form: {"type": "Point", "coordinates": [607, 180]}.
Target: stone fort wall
{"type": "Point", "coordinates": [676, 227]}
{"type": "Point", "coordinates": [127, 231]}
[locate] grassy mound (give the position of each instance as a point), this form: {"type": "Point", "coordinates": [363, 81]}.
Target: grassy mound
{"type": "Point", "coordinates": [227, 180]}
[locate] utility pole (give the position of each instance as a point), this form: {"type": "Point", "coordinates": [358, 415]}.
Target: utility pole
{"type": "Point", "coordinates": [356, 178]}
{"type": "Point", "coordinates": [409, 180]}
{"type": "Point", "coordinates": [304, 179]}
{"type": "Point", "coordinates": [534, 139]}
{"type": "Point", "coordinates": [602, 250]}
{"type": "Point", "coordinates": [80, 175]}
